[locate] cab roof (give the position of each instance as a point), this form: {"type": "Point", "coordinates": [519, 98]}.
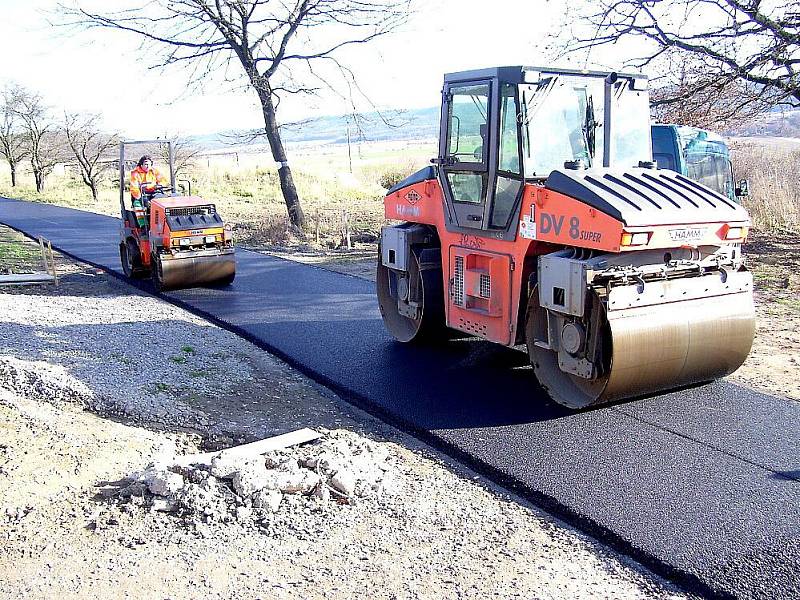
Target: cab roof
{"type": "Point", "coordinates": [523, 74]}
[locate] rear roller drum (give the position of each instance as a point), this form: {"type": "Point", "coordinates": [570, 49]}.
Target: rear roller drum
{"type": "Point", "coordinates": [412, 304]}
{"type": "Point", "coordinates": [158, 274]}
{"type": "Point", "coordinates": [565, 388]}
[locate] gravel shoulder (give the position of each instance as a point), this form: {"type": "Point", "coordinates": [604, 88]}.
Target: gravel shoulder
{"type": "Point", "coordinates": [774, 362]}
{"type": "Point", "coordinates": [98, 381]}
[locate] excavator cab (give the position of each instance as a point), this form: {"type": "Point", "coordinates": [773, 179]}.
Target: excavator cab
{"type": "Point", "coordinates": [545, 221]}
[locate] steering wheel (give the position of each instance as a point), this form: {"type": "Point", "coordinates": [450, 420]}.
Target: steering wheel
{"type": "Point", "coordinates": [153, 188]}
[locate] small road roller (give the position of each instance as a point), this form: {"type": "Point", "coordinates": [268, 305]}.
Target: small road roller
{"type": "Point", "coordinates": [544, 221]}
{"type": "Point", "coordinates": [178, 240]}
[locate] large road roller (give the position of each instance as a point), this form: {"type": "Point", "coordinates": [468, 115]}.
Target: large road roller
{"type": "Point", "coordinates": [177, 239]}
{"type": "Point", "coordinates": [544, 221]}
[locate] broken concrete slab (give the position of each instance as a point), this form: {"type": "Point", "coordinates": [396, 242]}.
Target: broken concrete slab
{"type": "Point", "coordinates": [162, 482]}
{"type": "Point", "coordinates": [253, 476]}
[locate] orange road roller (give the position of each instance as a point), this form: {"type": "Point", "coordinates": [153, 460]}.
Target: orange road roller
{"type": "Point", "coordinates": [544, 221]}
{"type": "Point", "coordinates": [178, 240]}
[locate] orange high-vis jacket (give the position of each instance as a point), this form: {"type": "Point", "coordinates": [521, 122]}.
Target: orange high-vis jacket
{"type": "Point", "coordinates": [140, 176]}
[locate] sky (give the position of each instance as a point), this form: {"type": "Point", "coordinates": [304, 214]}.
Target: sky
{"type": "Point", "coordinates": [103, 71]}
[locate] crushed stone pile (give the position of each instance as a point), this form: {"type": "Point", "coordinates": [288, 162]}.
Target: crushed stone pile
{"type": "Point", "coordinates": [340, 468]}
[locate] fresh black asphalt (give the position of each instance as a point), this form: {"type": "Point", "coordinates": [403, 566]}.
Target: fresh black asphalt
{"type": "Point", "coordinates": [703, 484]}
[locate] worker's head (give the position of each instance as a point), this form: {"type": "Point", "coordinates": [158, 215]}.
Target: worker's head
{"type": "Point", "coordinates": [146, 162]}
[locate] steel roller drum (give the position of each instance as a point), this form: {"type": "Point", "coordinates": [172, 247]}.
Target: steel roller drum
{"type": "Point", "coordinates": [674, 334]}
{"type": "Point", "coordinates": [189, 271]}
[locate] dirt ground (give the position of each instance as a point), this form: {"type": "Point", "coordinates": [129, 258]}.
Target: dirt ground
{"type": "Point", "coordinates": [774, 362]}
{"type": "Point", "coordinates": [80, 409]}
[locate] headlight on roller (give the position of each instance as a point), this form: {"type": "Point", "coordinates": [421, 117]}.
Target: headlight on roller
{"type": "Point", "coordinates": [635, 239]}
{"type": "Point", "coordinates": [735, 233]}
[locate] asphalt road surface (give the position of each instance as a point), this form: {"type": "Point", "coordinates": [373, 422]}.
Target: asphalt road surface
{"type": "Point", "coordinates": [703, 484]}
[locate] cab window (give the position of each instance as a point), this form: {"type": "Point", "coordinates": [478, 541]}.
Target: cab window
{"type": "Point", "coordinates": [469, 109]}
{"type": "Point", "coordinates": [509, 140]}
{"type": "Point", "coordinates": [467, 187]}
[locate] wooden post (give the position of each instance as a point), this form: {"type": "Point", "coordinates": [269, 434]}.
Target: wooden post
{"type": "Point", "coordinates": [346, 230]}
{"type": "Point", "coordinates": [316, 226]}
{"type": "Point", "coordinates": [52, 262]}
{"type": "Point", "coordinates": [44, 255]}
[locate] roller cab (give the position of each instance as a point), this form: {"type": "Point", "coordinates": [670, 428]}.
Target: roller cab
{"type": "Point", "coordinates": [178, 240]}
{"type": "Point", "coordinates": [544, 221]}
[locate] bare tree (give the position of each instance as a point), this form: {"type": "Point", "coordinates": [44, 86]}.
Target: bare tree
{"type": "Point", "coordinates": [12, 140]}
{"type": "Point", "coordinates": [688, 98]}
{"type": "Point", "coordinates": [91, 148]}
{"type": "Point", "coordinates": [743, 55]}
{"type": "Point", "coordinates": [282, 48]}
{"type": "Point", "coordinates": [184, 153]}
{"type": "Point", "coordinates": [43, 141]}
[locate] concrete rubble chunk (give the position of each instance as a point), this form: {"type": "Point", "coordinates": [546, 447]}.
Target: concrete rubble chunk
{"type": "Point", "coordinates": [344, 481]}
{"type": "Point", "coordinates": [225, 466]}
{"type": "Point", "coordinates": [253, 476]}
{"type": "Point", "coordinates": [299, 482]}
{"type": "Point", "coordinates": [163, 504]}
{"type": "Point", "coordinates": [162, 482]}
{"type": "Point", "coordinates": [267, 499]}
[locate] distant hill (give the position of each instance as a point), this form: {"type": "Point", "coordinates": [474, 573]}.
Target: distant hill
{"type": "Point", "coordinates": [783, 123]}
{"type": "Point", "coordinates": [404, 125]}
{"type": "Point", "coordinates": [423, 123]}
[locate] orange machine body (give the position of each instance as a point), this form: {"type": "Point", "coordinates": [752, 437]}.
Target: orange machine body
{"type": "Point", "coordinates": [165, 237]}
{"type": "Point", "coordinates": [544, 220]}
{"type": "Point", "coordinates": [548, 222]}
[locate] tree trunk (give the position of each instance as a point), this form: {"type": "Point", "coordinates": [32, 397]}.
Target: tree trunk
{"type": "Point", "coordinates": [13, 176]}
{"type": "Point", "coordinates": [38, 176]}
{"type": "Point", "coordinates": [296, 215]}
{"type": "Point", "coordinates": [93, 187]}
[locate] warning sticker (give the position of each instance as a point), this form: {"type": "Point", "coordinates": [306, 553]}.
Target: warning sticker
{"type": "Point", "coordinates": [527, 227]}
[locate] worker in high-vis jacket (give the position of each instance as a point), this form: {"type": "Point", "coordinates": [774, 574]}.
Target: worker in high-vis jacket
{"type": "Point", "coordinates": [144, 179]}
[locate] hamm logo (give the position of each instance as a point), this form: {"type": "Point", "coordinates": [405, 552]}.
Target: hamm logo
{"type": "Point", "coordinates": [688, 234]}
{"type": "Point", "coordinates": [413, 197]}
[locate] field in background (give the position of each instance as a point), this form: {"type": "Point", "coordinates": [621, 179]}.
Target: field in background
{"type": "Point", "coordinates": [334, 187]}
{"type": "Point", "coordinates": [773, 171]}
{"type": "Point", "coordinates": [247, 193]}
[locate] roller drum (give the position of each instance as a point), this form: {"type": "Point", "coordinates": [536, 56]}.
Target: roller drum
{"type": "Point", "coordinates": [657, 336]}
{"type": "Point", "coordinates": [666, 346]}
{"type": "Point", "coordinates": [190, 271]}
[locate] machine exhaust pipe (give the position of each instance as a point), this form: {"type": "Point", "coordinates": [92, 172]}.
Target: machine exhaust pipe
{"type": "Point", "coordinates": [608, 96]}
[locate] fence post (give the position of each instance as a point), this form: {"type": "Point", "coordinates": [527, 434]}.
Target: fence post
{"type": "Point", "coordinates": [52, 262]}
{"type": "Point", "coordinates": [346, 230]}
